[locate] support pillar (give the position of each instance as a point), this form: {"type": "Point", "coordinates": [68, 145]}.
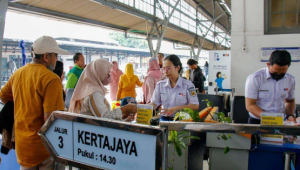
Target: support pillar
{"type": "Point", "coordinates": [3, 10]}
{"type": "Point", "coordinates": [158, 28]}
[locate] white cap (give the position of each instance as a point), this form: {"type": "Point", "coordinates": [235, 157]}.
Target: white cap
{"type": "Point", "coordinates": [46, 44]}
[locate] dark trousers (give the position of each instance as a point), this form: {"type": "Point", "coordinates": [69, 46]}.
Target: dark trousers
{"type": "Point", "coordinates": [255, 139]}
{"type": "Point", "coordinates": [253, 121]}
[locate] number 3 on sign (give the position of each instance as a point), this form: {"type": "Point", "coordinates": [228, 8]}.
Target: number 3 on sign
{"type": "Point", "coordinates": [61, 139]}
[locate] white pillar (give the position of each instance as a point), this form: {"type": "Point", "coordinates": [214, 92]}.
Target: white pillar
{"type": "Point", "coordinates": [3, 9]}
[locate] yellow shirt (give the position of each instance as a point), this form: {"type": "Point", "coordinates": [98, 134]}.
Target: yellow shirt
{"type": "Point", "coordinates": [187, 74]}
{"type": "Point", "coordinates": [35, 90]}
{"type": "Point", "coordinates": [129, 90]}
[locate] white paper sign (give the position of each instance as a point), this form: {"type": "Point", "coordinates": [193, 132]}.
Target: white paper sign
{"type": "Point", "coordinates": [112, 148]}
{"type": "Point", "coordinates": [60, 135]}
{"type": "Point", "coordinates": [144, 114]}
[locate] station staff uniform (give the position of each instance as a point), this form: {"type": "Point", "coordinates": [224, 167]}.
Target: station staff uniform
{"type": "Point", "coordinates": [183, 93]}
{"type": "Point", "coordinates": [270, 94]}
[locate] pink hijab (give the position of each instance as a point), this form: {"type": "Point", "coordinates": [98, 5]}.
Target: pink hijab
{"type": "Point", "coordinates": [154, 70]}
{"type": "Point", "coordinates": [89, 82]}
{"type": "Point", "coordinates": [115, 72]}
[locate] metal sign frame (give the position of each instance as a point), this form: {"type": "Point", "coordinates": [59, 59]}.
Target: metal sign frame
{"type": "Point", "coordinates": [160, 133]}
{"type": "Point", "coordinates": [231, 128]}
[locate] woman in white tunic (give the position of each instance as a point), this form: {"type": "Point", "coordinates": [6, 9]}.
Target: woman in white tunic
{"type": "Point", "coordinates": [89, 95]}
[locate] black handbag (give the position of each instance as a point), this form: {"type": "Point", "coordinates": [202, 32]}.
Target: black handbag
{"type": "Point", "coordinates": [7, 117]}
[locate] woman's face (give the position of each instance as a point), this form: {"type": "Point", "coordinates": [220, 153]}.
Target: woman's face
{"type": "Point", "coordinates": [219, 75]}
{"type": "Point", "coordinates": [107, 80]}
{"type": "Point", "coordinates": [62, 77]}
{"type": "Point", "coordinates": [169, 69]}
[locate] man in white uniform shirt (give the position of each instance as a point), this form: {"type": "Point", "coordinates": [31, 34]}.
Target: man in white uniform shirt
{"type": "Point", "coordinates": [271, 89]}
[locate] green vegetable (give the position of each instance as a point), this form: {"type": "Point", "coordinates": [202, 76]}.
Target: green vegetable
{"type": "Point", "coordinates": [222, 118]}
{"type": "Point", "coordinates": [193, 114]}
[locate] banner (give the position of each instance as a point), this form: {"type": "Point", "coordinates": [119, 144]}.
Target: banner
{"type": "Point", "coordinates": [219, 70]}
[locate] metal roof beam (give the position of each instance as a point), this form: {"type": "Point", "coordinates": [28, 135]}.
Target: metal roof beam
{"type": "Point", "coordinates": [163, 31]}
{"type": "Point", "coordinates": [44, 12]}
{"type": "Point", "coordinates": [224, 10]}
{"type": "Point", "coordinates": [207, 13]}
{"type": "Point", "coordinates": [125, 8]}
{"type": "Point", "coordinates": [161, 9]}
{"type": "Point", "coordinates": [133, 11]}
{"type": "Point", "coordinates": [113, 4]}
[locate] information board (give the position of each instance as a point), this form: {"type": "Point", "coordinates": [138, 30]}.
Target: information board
{"type": "Point", "coordinates": [267, 51]}
{"type": "Point", "coordinates": [113, 149]}
{"type": "Point", "coordinates": [102, 147]}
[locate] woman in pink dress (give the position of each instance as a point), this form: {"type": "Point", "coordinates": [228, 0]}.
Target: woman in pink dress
{"type": "Point", "coordinates": [153, 76]}
{"type": "Point", "coordinates": [115, 76]}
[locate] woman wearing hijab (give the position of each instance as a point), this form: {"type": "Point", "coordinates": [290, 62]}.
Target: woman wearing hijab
{"type": "Point", "coordinates": [115, 74]}
{"type": "Point", "coordinates": [89, 95]}
{"type": "Point", "coordinates": [127, 83]}
{"type": "Point", "coordinates": [153, 76]}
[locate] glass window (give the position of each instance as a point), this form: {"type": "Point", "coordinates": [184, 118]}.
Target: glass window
{"type": "Point", "coordinates": [185, 14]}
{"type": "Point", "coordinates": [282, 16]}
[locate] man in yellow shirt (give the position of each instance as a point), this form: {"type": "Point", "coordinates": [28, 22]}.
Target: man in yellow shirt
{"type": "Point", "coordinates": [36, 93]}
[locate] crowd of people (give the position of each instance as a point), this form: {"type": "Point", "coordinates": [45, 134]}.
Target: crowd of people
{"type": "Point", "coordinates": [37, 90]}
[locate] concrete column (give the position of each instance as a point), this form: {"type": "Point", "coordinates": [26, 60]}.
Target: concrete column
{"type": "Point", "coordinates": [3, 9]}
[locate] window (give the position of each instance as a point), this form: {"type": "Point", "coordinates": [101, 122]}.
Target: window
{"type": "Point", "coordinates": [282, 16]}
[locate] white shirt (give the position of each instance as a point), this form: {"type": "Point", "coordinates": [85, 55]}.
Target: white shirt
{"type": "Point", "coordinates": [183, 93]}
{"type": "Point", "coordinates": [269, 93]}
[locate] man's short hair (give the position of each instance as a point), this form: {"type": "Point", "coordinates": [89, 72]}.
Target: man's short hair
{"type": "Point", "coordinates": [280, 57]}
{"type": "Point", "coordinates": [192, 62]}
{"type": "Point", "coordinates": [161, 54]}
{"type": "Point", "coordinates": [76, 57]}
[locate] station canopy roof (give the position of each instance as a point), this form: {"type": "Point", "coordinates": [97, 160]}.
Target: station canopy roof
{"type": "Point", "coordinates": [136, 16]}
